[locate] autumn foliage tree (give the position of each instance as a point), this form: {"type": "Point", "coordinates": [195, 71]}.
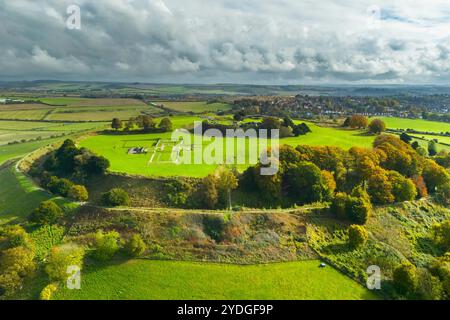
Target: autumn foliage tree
{"type": "Point", "coordinates": [377, 126]}
{"type": "Point", "coordinates": [358, 121]}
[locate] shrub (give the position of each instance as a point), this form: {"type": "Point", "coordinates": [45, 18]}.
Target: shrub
{"type": "Point", "coordinates": [442, 234]}
{"type": "Point", "coordinates": [15, 236]}
{"type": "Point", "coordinates": [214, 226]}
{"type": "Point", "coordinates": [178, 192]}
{"type": "Point", "coordinates": [357, 236]}
{"type": "Point", "coordinates": [358, 210]}
{"type": "Point", "coordinates": [59, 186]}
{"type": "Point", "coordinates": [135, 246]}
{"type": "Point", "coordinates": [106, 245]}
{"type": "Point", "coordinates": [405, 278]}
{"type": "Point", "coordinates": [15, 264]}
{"type": "Point", "coordinates": [61, 258]}
{"type": "Point", "coordinates": [339, 205]}
{"type": "Point", "coordinates": [116, 197]}
{"type": "Point", "coordinates": [48, 212]}
{"type": "Point", "coordinates": [47, 292]}
{"type": "Point", "coordinates": [428, 286]}
{"type": "Point", "coordinates": [79, 192]}
{"type": "Point", "coordinates": [443, 193]}
{"type": "Point", "coordinates": [403, 189]}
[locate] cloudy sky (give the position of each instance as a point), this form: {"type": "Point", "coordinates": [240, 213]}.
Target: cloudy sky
{"type": "Point", "coordinates": [227, 41]}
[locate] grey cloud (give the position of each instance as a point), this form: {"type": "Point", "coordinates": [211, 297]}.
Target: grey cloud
{"type": "Point", "coordinates": [254, 41]}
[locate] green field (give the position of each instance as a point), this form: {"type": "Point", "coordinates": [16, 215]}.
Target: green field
{"type": "Point", "coordinates": [161, 280]}
{"type": "Point", "coordinates": [196, 107]}
{"type": "Point", "coordinates": [32, 114]}
{"type": "Point", "coordinates": [115, 148]}
{"type": "Point", "coordinates": [19, 196]}
{"type": "Point", "coordinates": [416, 124]}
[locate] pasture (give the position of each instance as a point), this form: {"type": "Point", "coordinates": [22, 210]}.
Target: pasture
{"type": "Point", "coordinates": [161, 280]}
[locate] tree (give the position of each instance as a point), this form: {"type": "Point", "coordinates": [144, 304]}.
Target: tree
{"type": "Point", "coordinates": [116, 197]}
{"type": "Point", "coordinates": [48, 212]}
{"type": "Point", "coordinates": [432, 148]}
{"type": "Point", "coordinates": [358, 121]}
{"type": "Point", "coordinates": [288, 155]}
{"type": "Point", "coordinates": [135, 246]}
{"type": "Point", "coordinates": [96, 165]}
{"type": "Point", "coordinates": [116, 124]}
{"type": "Point", "coordinates": [405, 278]}
{"type": "Point", "coordinates": [339, 205]}
{"type": "Point", "coordinates": [358, 210]}
{"type": "Point", "coordinates": [380, 188]}
{"type": "Point", "coordinates": [421, 187]}
{"type": "Point", "coordinates": [406, 138]}
{"type": "Point", "coordinates": [209, 191]}
{"type": "Point", "coordinates": [443, 193]}
{"type": "Point", "coordinates": [357, 236]}
{"type": "Point", "coordinates": [15, 236]}
{"type": "Point", "coordinates": [106, 245]}
{"type": "Point", "coordinates": [403, 189]}
{"type": "Point", "coordinates": [61, 258]}
{"type": "Point", "coordinates": [166, 125]}
{"type": "Point", "coordinates": [305, 183]}
{"type": "Point", "coordinates": [434, 175]}
{"type": "Point", "coordinates": [15, 264]}
{"type": "Point", "coordinates": [59, 186]}
{"type": "Point", "coordinates": [428, 286]}
{"type": "Point", "coordinates": [377, 126]}
{"type": "Point", "coordinates": [415, 145]}
{"type": "Point", "coordinates": [79, 192]}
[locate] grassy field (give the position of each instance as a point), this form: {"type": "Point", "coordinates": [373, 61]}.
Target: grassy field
{"type": "Point", "coordinates": [161, 280]}
{"type": "Point", "coordinates": [196, 107]}
{"type": "Point", "coordinates": [416, 124]}
{"type": "Point", "coordinates": [19, 196]}
{"type": "Point", "coordinates": [115, 148]}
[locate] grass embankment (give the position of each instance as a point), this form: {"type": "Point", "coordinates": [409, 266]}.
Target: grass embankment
{"type": "Point", "coordinates": [19, 196]}
{"type": "Point", "coordinates": [159, 280]}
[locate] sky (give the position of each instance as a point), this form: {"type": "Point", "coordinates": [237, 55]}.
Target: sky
{"type": "Point", "coordinates": [227, 41]}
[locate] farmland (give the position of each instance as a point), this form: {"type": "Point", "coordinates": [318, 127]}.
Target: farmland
{"type": "Point", "coordinates": [195, 107]}
{"type": "Point", "coordinates": [141, 279]}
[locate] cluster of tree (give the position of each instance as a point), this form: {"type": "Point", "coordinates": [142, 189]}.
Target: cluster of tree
{"type": "Point", "coordinates": [145, 123]}
{"type": "Point", "coordinates": [376, 126]}
{"type": "Point", "coordinates": [69, 160]}
{"type": "Point", "coordinates": [436, 116]}
{"type": "Point", "coordinates": [64, 187]}
{"type": "Point", "coordinates": [391, 172]}
{"type": "Point", "coordinates": [216, 188]}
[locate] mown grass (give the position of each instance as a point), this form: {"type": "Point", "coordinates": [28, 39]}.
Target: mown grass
{"type": "Point", "coordinates": [160, 280]}
{"type": "Point", "coordinates": [115, 148]}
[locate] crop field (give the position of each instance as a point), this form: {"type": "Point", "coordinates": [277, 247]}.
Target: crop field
{"type": "Point", "coordinates": [196, 107]}
{"type": "Point", "coordinates": [115, 148]}
{"type": "Point", "coordinates": [161, 280]}
{"type": "Point", "coordinates": [99, 113]}
{"type": "Point", "coordinates": [17, 131]}
{"type": "Point", "coordinates": [19, 196]}
{"type": "Point", "coordinates": [416, 124]}
{"type": "Point", "coordinates": [31, 114]}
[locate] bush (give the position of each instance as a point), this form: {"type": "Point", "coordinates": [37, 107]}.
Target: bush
{"type": "Point", "coordinates": [15, 264]}
{"type": "Point", "coordinates": [377, 126]}
{"type": "Point", "coordinates": [428, 287]}
{"type": "Point", "coordinates": [405, 278]}
{"type": "Point", "coordinates": [135, 246]}
{"type": "Point", "coordinates": [214, 226]}
{"type": "Point", "coordinates": [116, 197]}
{"type": "Point", "coordinates": [357, 236]}
{"type": "Point", "coordinates": [48, 212]}
{"type": "Point", "coordinates": [59, 186]}
{"type": "Point", "coordinates": [79, 192]}
{"type": "Point", "coordinates": [47, 292]}
{"type": "Point", "coordinates": [339, 205]}
{"type": "Point", "coordinates": [15, 236]}
{"type": "Point", "coordinates": [106, 245]}
{"type": "Point", "coordinates": [61, 258]}
{"type": "Point", "coordinates": [442, 234]}
{"type": "Point", "coordinates": [358, 210]}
